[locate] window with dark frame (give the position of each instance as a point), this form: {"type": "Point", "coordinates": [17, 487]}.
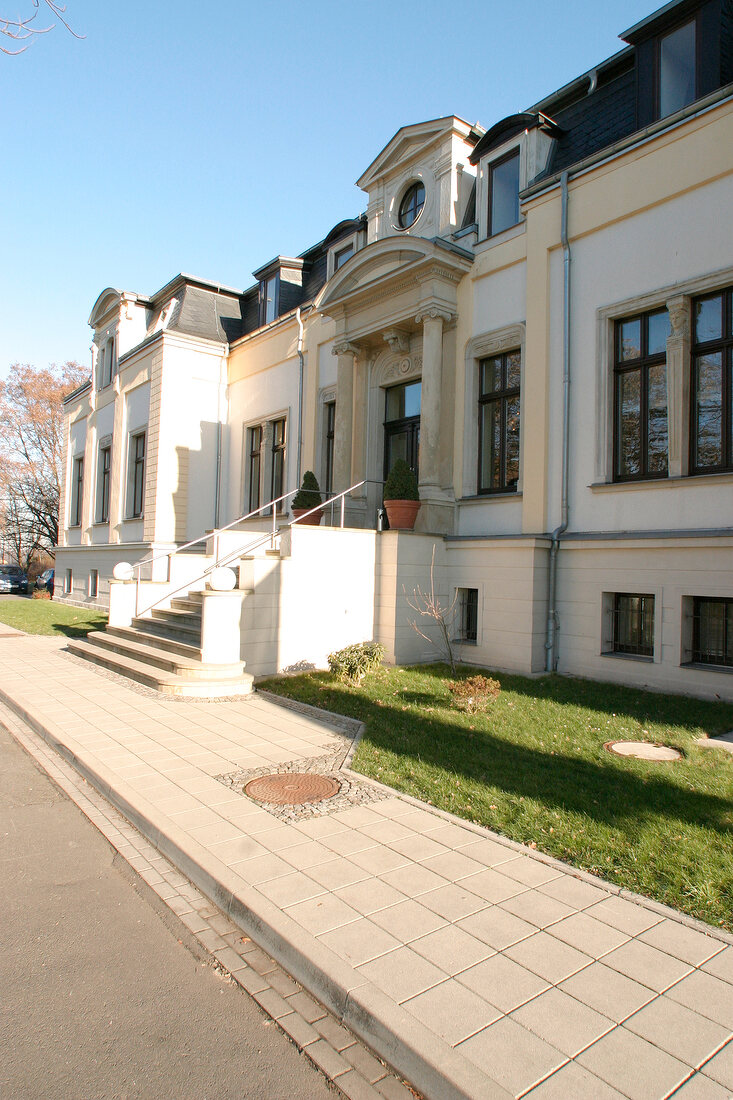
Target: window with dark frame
{"type": "Point", "coordinates": [277, 479]}
{"type": "Point", "coordinates": [254, 467]}
{"type": "Point", "coordinates": [468, 615]}
{"type": "Point", "coordinates": [68, 581]}
{"type": "Point", "coordinates": [105, 465]}
{"type": "Point", "coordinates": [633, 624]}
{"type": "Point", "coordinates": [498, 418]}
{"type": "Point", "coordinates": [640, 396]}
{"type": "Point", "coordinates": [341, 256]}
{"type": "Point", "coordinates": [711, 390]}
{"type": "Point", "coordinates": [93, 583]}
{"type": "Point", "coordinates": [402, 426]}
{"type": "Point", "coordinates": [329, 435]}
{"type": "Point", "coordinates": [712, 631]}
{"type": "Point", "coordinates": [676, 69]}
{"type": "Point", "coordinates": [77, 492]}
{"type": "Point", "coordinates": [411, 205]}
{"type": "Point", "coordinates": [268, 299]}
{"type": "Point", "coordinates": [137, 474]}
{"type": "Point", "coordinates": [503, 193]}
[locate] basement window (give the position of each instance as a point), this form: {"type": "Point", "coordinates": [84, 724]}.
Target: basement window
{"type": "Point", "coordinates": [467, 607]}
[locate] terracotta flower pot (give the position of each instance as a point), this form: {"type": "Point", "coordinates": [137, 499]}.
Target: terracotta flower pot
{"type": "Point", "coordinates": [402, 514]}
{"type": "Point", "coordinates": [312, 520]}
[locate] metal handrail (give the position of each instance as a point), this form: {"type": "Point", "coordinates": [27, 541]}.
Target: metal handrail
{"type": "Point", "coordinates": [232, 555]}
{"type": "Point", "coordinates": [216, 532]}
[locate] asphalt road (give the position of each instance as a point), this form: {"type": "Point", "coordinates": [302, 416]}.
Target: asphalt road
{"type": "Point", "coordinates": [98, 999]}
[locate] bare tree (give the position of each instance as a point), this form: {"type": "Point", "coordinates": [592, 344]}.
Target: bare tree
{"type": "Point", "coordinates": [23, 31]}
{"type": "Point", "coordinates": [433, 613]}
{"type": "Point", "coordinates": [31, 413]}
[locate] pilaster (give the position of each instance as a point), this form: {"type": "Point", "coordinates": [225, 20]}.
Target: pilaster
{"type": "Point", "coordinates": [678, 384]}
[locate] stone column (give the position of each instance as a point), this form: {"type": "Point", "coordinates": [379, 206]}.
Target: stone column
{"type": "Point", "coordinates": [344, 424]}
{"type": "Point", "coordinates": [432, 321]}
{"type": "Point", "coordinates": [678, 384]}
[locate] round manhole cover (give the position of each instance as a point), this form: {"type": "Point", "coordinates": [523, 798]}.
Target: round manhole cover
{"type": "Point", "coordinates": [292, 789]}
{"type": "Point", "coordinates": [643, 750]}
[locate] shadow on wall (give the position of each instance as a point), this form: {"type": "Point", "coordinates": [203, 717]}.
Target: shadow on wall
{"type": "Point", "coordinates": [193, 499]}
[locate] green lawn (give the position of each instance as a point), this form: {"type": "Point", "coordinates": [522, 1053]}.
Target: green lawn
{"type": "Point", "coordinates": [534, 768]}
{"type": "Point", "coordinates": [49, 617]}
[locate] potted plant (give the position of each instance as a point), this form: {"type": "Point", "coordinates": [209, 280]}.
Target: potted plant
{"type": "Point", "coordinates": [307, 497]}
{"type": "Point", "coordinates": [401, 498]}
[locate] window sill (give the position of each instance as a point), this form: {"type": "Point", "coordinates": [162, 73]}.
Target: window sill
{"type": "Point", "coordinates": [491, 498]}
{"type": "Point", "coordinates": [701, 666]}
{"type": "Point", "coordinates": [74, 527]}
{"type": "Point", "coordinates": [101, 523]}
{"type": "Point", "coordinates": [629, 657]}
{"type": "Point", "coordinates": [662, 482]}
{"type": "Point", "coordinates": [464, 642]}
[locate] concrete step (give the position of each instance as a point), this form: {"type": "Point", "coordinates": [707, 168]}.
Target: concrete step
{"type": "Point", "coordinates": [189, 620]}
{"type": "Point", "coordinates": [186, 668]}
{"type": "Point", "coordinates": [175, 632]}
{"type": "Point", "coordinates": [161, 642]}
{"type": "Point", "coordinates": [190, 604]}
{"type": "Point", "coordinates": [168, 683]}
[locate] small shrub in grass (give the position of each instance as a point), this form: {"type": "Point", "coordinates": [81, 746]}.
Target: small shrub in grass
{"type": "Point", "coordinates": [354, 661]}
{"type": "Point", "coordinates": [474, 693]}
{"type": "Point", "coordinates": [41, 594]}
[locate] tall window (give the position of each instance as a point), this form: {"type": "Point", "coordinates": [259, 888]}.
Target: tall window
{"type": "Point", "coordinates": [633, 624]}
{"type": "Point", "coordinates": [498, 418]}
{"type": "Point", "coordinates": [77, 492]}
{"type": "Point", "coordinates": [712, 631]}
{"type": "Point", "coordinates": [106, 363]}
{"type": "Point", "coordinates": [277, 480]}
{"type": "Point", "coordinates": [640, 380]}
{"type": "Point", "coordinates": [329, 435]}
{"type": "Point", "coordinates": [268, 300]}
{"type": "Point", "coordinates": [712, 383]}
{"type": "Point", "coordinates": [676, 67]}
{"type": "Point", "coordinates": [254, 467]}
{"type": "Point", "coordinates": [103, 476]}
{"type": "Point", "coordinates": [137, 475]}
{"type": "Point", "coordinates": [504, 193]}
{"type": "Point", "coordinates": [402, 426]}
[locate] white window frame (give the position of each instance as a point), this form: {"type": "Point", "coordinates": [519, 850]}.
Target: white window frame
{"type": "Point", "coordinates": [104, 444]}
{"type": "Point", "coordinates": [481, 347]}
{"type": "Point", "coordinates": [133, 435]}
{"type": "Point", "coordinates": [339, 246]}
{"type": "Point", "coordinates": [76, 496]}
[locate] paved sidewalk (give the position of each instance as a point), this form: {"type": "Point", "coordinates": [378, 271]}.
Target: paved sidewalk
{"type": "Point", "coordinates": [473, 967]}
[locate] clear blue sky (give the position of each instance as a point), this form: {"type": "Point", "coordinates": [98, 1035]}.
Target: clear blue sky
{"type": "Point", "coordinates": [207, 137]}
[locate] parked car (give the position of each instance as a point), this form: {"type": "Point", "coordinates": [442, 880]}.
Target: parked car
{"type": "Point", "coordinates": [44, 581]}
{"type": "Point", "coordinates": [13, 579]}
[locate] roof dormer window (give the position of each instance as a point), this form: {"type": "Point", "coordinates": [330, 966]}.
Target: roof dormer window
{"type": "Point", "coordinates": [106, 363]}
{"type": "Point", "coordinates": [504, 193]}
{"type": "Point", "coordinates": [341, 255]}
{"type": "Point", "coordinates": [268, 299]}
{"type": "Point", "coordinates": [676, 69]}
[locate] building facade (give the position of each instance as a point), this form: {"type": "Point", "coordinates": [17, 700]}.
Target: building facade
{"type": "Point", "coordinates": [538, 316]}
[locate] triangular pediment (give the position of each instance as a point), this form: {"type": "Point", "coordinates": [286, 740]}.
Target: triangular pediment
{"type": "Point", "coordinates": [408, 144]}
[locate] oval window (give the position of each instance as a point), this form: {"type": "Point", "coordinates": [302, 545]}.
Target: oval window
{"type": "Point", "coordinates": [411, 206]}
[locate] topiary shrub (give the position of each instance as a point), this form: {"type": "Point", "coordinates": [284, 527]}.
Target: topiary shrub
{"type": "Point", "coordinates": [474, 693]}
{"type": "Point", "coordinates": [354, 661]}
{"type": "Point", "coordinates": [401, 483]}
{"type": "Point", "coordinates": [309, 494]}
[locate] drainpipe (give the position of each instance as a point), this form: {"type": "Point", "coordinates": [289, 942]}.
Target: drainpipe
{"type": "Point", "coordinates": [217, 481]}
{"type": "Point", "coordinates": [550, 644]}
{"type": "Point", "coordinates": [299, 319]}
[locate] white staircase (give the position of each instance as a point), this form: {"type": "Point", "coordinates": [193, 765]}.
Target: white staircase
{"type": "Point", "coordinates": [163, 652]}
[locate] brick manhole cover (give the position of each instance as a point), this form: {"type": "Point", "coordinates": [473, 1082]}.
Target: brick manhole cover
{"type": "Point", "coordinates": [292, 788]}
{"type": "Point", "coordinates": [643, 750]}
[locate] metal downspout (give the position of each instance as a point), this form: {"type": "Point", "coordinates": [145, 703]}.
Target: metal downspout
{"type": "Point", "coordinates": [550, 644]}
{"type": "Point", "coordinates": [300, 396]}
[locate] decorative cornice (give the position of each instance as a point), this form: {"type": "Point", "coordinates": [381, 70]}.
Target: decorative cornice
{"type": "Point", "coordinates": [432, 313]}
{"type": "Point", "coordinates": [398, 339]}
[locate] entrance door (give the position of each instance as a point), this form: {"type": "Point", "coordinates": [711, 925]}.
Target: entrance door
{"type": "Point", "coordinates": [402, 426]}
